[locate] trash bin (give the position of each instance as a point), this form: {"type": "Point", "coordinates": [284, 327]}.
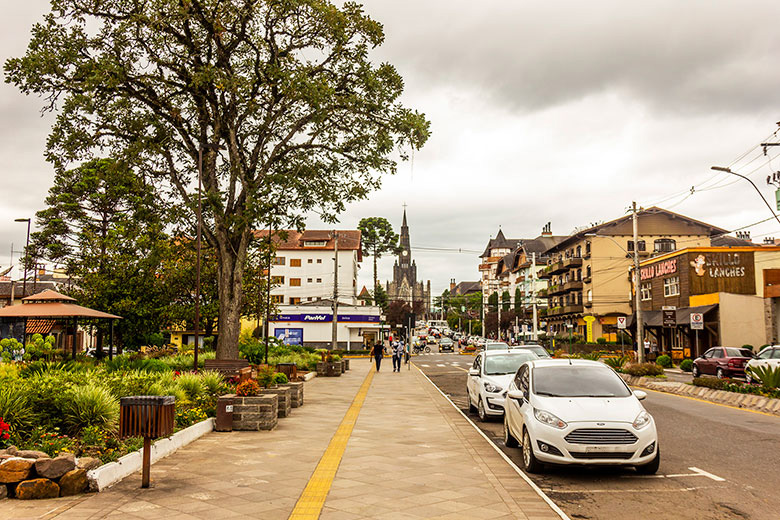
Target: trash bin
{"type": "Point", "coordinates": [224, 422]}
{"type": "Point", "coordinates": [288, 369]}
{"type": "Point", "coordinates": [147, 416]}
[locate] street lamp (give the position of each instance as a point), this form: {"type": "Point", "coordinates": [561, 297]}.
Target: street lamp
{"type": "Point", "coordinates": [213, 147]}
{"type": "Point", "coordinates": [26, 252]}
{"type": "Point", "coordinates": [728, 170]}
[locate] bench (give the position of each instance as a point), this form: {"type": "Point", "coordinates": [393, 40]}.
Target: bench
{"type": "Point", "coordinates": [230, 367]}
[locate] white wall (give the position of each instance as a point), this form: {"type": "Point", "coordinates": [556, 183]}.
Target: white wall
{"type": "Point", "coordinates": [322, 271]}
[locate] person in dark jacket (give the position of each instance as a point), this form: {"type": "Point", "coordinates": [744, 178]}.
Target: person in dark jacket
{"type": "Point", "coordinates": [377, 352]}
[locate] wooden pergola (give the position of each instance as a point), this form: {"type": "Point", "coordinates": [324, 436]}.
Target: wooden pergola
{"type": "Point", "coordinates": [51, 306]}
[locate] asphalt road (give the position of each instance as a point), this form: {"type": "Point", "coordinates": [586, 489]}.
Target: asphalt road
{"type": "Point", "coordinates": [716, 462]}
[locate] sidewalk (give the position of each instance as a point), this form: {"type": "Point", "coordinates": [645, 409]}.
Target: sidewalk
{"type": "Point", "coordinates": [410, 455]}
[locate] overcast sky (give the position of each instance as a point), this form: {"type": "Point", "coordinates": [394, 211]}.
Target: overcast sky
{"type": "Point", "coordinates": [540, 111]}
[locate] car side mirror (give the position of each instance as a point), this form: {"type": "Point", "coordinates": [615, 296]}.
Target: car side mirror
{"type": "Point", "coordinates": [473, 372]}
{"type": "Point", "coordinates": [516, 394]}
{"type": "Point", "coordinates": [639, 394]}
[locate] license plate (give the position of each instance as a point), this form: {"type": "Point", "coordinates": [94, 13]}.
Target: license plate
{"type": "Point", "coordinates": [597, 449]}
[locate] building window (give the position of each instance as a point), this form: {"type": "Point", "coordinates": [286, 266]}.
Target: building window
{"type": "Point", "coordinates": [319, 260]}
{"type": "Point", "coordinates": [579, 275]}
{"type": "Point", "coordinates": [672, 286]}
{"type": "Point", "coordinates": [579, 251]}
{"type": "Point", "coordinates": [277, 280]}
{"type": "Point", "coordinates": [295, 282]}
{"type": "Point", "coordinates": [646, 293]}
{"type": "Point", "coordinates": [277, 298]}
{"type": "Point", "coordinates": [278, 260]}
{"type": "Point", "coordinates": [315, 243]}
{"type": "Point", "coordinates": [587, 272]}
{"type": "Point", "coordinates": [587, 248]}
{"type": "Point", "coordinates": [640, 243]}
{"type": "Point", "coordinates": [665, 245]}
{"type": "Point", "coordinates": [295, 301]}
{"type": "Point", "coordinates": [309, 280]}
{"type": "Point", "coordinates": [319, 280]}
{"type": "Point", "coordinates": [309, 261]}
{"type": "Point", "coordinates": [590, 296]}
{"type": "Point", "coordinates": [295, 262]}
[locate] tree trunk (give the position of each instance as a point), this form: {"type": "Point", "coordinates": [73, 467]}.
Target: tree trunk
{"type": "Point", "coordinates": [231, 262]}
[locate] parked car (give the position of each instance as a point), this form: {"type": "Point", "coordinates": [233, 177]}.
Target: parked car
{"type": "Point", "coordinates": [489, 378]}
{"type": "Point", "coordinates": [496, 345]}
{"type": "Point", "coordinates": [446, 344]}
{"type": "Point", "coordinates": [539, 350]}
{"type": "Point", "coordinates": [575, 411]}
{"type": "Point", "coordinates": [722, 362]}
{"type": "Point", "coordinates": [768, 357]}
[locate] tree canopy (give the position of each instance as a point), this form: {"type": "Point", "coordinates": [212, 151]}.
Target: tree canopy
{"type": "Point", "coordinates": [279, 97]}
{"type": "Point", "coordinates": [377, 238]}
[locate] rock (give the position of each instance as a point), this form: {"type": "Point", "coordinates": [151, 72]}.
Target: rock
{"type": "Point", "coordinates": [3, 491]}
{"type": "Point", "coordinates": [56, 467]}
{"type": "Point", "coordinates": [11, 450]}
{"type": "Point", "coordinates": [37, 488]}
{"type": "Point", "coordinates": [73, 482]}
{"type": "Point", "coordinates": [88, 463]}
{"type": "Point", "coordinates": [32, 454]}
{"type": "Point", "coordinates": [15, 470]}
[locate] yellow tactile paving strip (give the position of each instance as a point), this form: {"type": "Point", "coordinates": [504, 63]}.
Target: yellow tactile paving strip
{"type": "Point", "coordinates": [311, 501]}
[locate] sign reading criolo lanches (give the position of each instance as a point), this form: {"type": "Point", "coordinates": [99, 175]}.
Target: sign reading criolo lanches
{"type": "Point", "coordinates": [711, 272]}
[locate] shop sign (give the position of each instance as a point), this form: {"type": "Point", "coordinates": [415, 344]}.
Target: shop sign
{"type": "Point", "coordinates": [731, 272]}
{"type": "Point", "coordinates": [718, 265]}
{"type": "Point", "coordinates": [659, 269]}
{"type": "Point", "coordinates": [669, 318]}
{"type": "Point", "coordinates": [325, 318]}
{"type": "Point", "coordinates": [289, 336]}
{"type": "Point", "coordinates": [589, 327]}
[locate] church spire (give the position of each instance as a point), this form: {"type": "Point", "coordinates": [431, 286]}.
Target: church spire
{"type": "Point", "coordinates": [405, 249]}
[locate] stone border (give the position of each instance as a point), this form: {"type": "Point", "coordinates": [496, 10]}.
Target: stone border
{"type": "Point", "coordinates": [748, 401]}
{"type": "Point", "coordinates": [109, 474]}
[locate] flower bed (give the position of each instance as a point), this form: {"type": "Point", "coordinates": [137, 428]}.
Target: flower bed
{"type": "Point", "coordinates": [733, 385]}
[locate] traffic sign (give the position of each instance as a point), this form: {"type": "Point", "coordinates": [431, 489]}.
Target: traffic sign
{"type": "Point", "coordinates": [697, 321]}
{"type": "Point", "coordinates": [621, 322]}
{"type": "Point", "coordinates": [669, 318]}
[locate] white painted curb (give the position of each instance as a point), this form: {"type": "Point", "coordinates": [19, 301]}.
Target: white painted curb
{"type": "Point", "coordinates": [109, 474]}
{"type": "Point", "coordinates": [525, 477]}
{"type": "Point", "coordinates": [308, 376]}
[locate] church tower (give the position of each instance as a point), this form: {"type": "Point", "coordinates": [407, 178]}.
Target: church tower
{"type": "Point", "coordinates": [405, 286]}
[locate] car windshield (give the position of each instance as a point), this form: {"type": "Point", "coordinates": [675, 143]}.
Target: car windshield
{"type": "Point", "coordinates": [536, 349]}
{"type": "Point", "coordinates": [578, 381]}
{"type": "Point", "coordinates": [496, 346]}
{"type": "Point", "coordinates": [739, 352]}
{"type": "Point", "coordinates": [500, 364]}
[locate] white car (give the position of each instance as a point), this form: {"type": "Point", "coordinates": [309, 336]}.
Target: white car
{"type": "Point", "coordinates": [578, 412]}
{"type": "Point", "coordinates": [536, 349]}
{"type": "Point", "coordinates": [768, 357]}
{"type": "Point", "coordinates": [496, 345]}
{"type": "Point", "coordinates": [489, 378]}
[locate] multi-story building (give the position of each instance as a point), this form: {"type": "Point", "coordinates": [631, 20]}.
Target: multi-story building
{"type": "Point", "coordinates": [303, 269]}
{"type": "Point", "coordinates": [588, 272]}
{"type": "Point", "coordinates": [734, 289]}
{"type": "Point", "coordinates": [497, 248]}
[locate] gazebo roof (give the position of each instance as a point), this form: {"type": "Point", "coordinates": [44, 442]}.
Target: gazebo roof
{"type": "Point", "coordinates": [51, 304]}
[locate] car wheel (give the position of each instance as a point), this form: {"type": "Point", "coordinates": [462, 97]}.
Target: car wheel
{"type": "Point", "coordinates": [695, 371]}
{"type": "Point", "coordinates": [530, 464]}
{"type": "Point", "coordinates": [719, 373]}
{"type": "Point", "coordinates": [509, 439]}
{"type": "Point", "coordinates": [481, 410]}
{"type": "Point", "coordinates": [651, 468]}
{"type": "Point", "coordinates": [472, 408]}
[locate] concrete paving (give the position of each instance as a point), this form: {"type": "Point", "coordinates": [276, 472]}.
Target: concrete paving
{"type": "Point", "coordinates": [410, 455]}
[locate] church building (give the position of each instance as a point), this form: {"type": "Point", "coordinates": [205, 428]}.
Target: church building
{"type": "Point", "coordinates": [405, 286]}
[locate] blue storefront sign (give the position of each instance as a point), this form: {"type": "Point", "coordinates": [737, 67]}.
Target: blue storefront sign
{"type": "Point", "coordinates": [323, 318]}
{"type": "Point", "coordinates": [289, 336]}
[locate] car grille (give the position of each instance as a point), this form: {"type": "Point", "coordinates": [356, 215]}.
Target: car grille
{"type": "Point", "coordinates": [601, 436]}
{"type": "Point", "coordinates": [605, 455]}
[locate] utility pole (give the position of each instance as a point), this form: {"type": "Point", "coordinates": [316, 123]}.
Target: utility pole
{"type": "Point", "coordinates": [498, 321]}
{"type": "Point", "coordinates": [334, 340]}
{"type": "Point", "coordinates": [640, 329]}
{"type": "Point", "coordinates": [533, 295]}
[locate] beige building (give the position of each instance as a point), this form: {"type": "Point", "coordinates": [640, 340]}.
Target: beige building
{"type": "Point", "coordinates": [588, 272]}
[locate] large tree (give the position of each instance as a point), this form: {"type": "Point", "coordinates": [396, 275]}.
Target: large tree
{"type": "Point", "coordinates": [279, 96]}
{"type": "Point", "coordinates": [377, 238]}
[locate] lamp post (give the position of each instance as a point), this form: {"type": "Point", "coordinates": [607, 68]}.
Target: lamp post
{"type": "Point", "coordinates": [26, 252]}
{"type": "Point", "coordinates": [728, 170]}
{"type": "Point", "coordinates": [213, 147]}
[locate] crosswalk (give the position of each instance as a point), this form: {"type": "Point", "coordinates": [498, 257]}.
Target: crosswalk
{"type": "Point", "coordinates": [451, 363]}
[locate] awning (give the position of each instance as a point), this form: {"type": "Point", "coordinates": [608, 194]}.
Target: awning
{"type": "Point", "coordinates": [53, 310]}
{"type": "Point", "coordinates": [683, 316]}
{"type": "Point", "coordinates": [39, 326]}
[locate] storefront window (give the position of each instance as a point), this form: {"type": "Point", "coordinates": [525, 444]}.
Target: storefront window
{"type": "Point", "coordinates": [672, 286]}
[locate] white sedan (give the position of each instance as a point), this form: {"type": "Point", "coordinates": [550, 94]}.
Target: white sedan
{"type": "Point", "coordinates": [768, 357]}
{"type": "Point", "coordinates": [489, 378]}
{"type": "Point", "coordinates": [578, 412]}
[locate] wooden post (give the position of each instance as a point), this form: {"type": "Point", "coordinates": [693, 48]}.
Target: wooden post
{"type": "Point", "coordinates": [147, 462]}
{"type": "Point", "coordinates": [111, 339]}
{"type": "Point", "coordinates": [73, 345]}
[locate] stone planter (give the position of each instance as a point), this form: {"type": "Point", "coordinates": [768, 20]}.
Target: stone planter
{"type": "Point", "coordinates": [296, 393]}
{"type": "Point", "coordinates": [332, 369]}
{"type": "Point", "coordinates": [346, 363]}
{"type": "Point", "coordinates": [343, 366]}
{"type": "Point", "coordinates": [259, 412]}
{"type": "Point", "coordinates": [284, 394]}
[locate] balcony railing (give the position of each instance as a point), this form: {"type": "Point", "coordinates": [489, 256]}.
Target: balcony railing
{"type": "Point", "coordinates": [556, 289]}
{"type": "Point", "coordinates": [572, 286]}
{"type": "Point", "coordinates": [572, 261]}
{"type": "Point", "coordinates": [571, 309]}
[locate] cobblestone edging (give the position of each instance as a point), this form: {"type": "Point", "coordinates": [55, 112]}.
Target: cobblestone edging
{"type": "Point", "coordinates": [747, 401]}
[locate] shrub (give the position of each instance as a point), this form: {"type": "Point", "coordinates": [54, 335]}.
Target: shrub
{"type": "Point", "coordinates": [709, 382]}
{"type": "Point", "coordinates": [189, 416]}
{"type": "Point", "coordinates": [280, 379]}
{"type": "Point", "coordinates": [213, 381]}
{"type": "Point", "coordinates": [168, 389]}
{"type": "Point", "coordinates": [90, 405]}
{"type": "Point", "coordinates": [686, 365]}
{"type": "Point", "coordinates": [769, 376]}
{"type": "Point", "coordinates": [616, 362]}
{"type": "Point", "coordinates": [749, 347]}
{"type": "Point", "coordinates": [664, 360]}
{"type": "Point", "coordinates": [5, 433]}
{"type": "Point", "coordinates": [601, 341]}
{"type": "Point", "coordinates": [16, 408]}
{"type": "Point", "coordinates": [592, 356]}
{"type": "Point", "coordinates": [192, 385]}
{"type": "Point", "coordinates": [50, 442]}
{"type": "Point", "coordinates": [248, 388]}
{"type": "Point", "coordinates": [644, 369]}
{"type": "Point", "coordinates": [265, 376]}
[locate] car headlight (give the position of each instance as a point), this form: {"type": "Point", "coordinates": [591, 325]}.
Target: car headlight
{"type": "Point", "coordinates": [642, 420]}
{"type": "Point", "coordinates": [549, 419]}
{"type": "Point", "coordinates": [490, 387]}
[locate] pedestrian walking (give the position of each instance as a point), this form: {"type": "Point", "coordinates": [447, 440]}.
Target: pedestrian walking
{"type": "Point", "coordinates": [377, 351]}
{"type": "Point", "coordinates": [398, 352]}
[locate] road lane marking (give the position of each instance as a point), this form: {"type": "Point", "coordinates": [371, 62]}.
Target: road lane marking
{"type": "Point", "coordinates": [461, 368]}
{"type": "Point", "coordinates": [440, 365]}
{"type": "Point", "coordinates": [585, 491]}
{"type": "Point", "coordinates": [707, 474]}
{"type": "Point", "coordinates": [710, 402]}
{"type": "Point", "coordinates": [423, 365]}
{"type": "Point", "coordinates": [311, 501]}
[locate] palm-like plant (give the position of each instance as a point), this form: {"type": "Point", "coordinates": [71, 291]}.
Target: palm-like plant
{"type": "Point", "coordinates": [616, 362]}
{"type": "Point", "coordinates": [769, 376]}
